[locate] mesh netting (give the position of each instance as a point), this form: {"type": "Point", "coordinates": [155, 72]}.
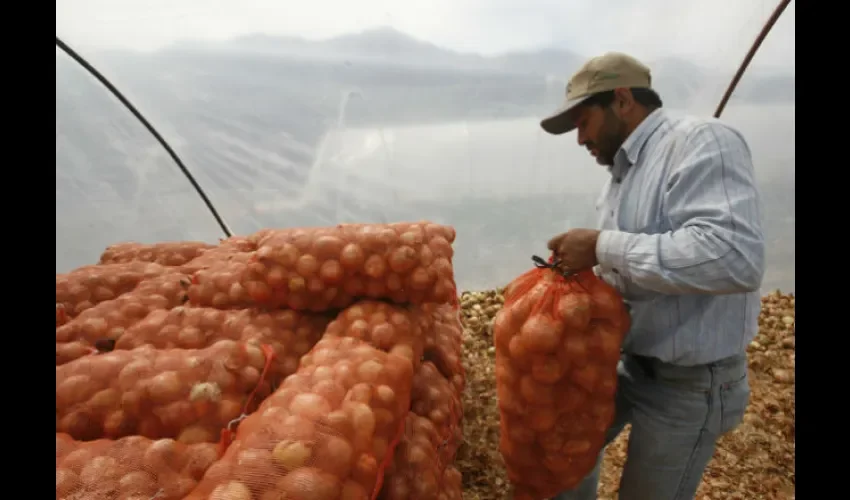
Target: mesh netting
{"type": "Point", "coordinates": [294, 403]}
{"type": "Point", "coordinates": [290, 334]}
{"type": "Point", "coordinates": [108, 320]}
{"type": "Point", "coordinates": [323, 268]}
{"type": "Point", "coordinates": [167, 254]}
{"type": "Point", "coordinates": [189, 395]}
{"type": "Point", "coordinates": [88, 286]}
{"type": "Point", "coordinates": [129, 468]}
{"type": "Point", "coordinates": [557, 348]}
{"type": "Point", "coordinates": [329, 432]}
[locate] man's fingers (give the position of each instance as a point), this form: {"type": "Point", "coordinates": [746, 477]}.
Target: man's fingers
{"type": "Point", "coordinates": [555, 242]}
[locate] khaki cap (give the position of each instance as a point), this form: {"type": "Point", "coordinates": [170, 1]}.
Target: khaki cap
{"type": "Point", "coordinates": [602, 73]}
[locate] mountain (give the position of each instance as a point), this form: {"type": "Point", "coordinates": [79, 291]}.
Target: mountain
{"type": "Point", "coordinates": [389, 46]}
{"type": "Point", "coordinates": [232, 102]}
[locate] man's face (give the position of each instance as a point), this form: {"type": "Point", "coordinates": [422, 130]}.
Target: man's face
{"type": "Point", "coordinates": [601, 131]}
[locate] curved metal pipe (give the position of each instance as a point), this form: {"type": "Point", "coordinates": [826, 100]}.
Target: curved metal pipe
{"type": "Point", "coordinates": [117, 93]}
{"type": "Point", "coordinates": [749, 57]}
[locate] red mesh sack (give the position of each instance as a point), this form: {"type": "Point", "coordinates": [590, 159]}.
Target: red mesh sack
{"type": "Point", "coordinates": [388, 327]}
{"type": "Point", "coordinates": [419, 468]}
{"type": "Point", "coordinates": [324, 268]}
{"type": "Point", "coordinates": [247, 243]}
{"type": "Point", "coordinates": [188, 395]}
{"type": "Point", "coordinates": [171, 253]}
{"type": "Point", "coordinates": [61, 315]}
{"type": "Point", "coordinates": [444, 342]}
{"type": "Point", "coordinates": [108, 320]}
{"type": "Point", "coordinates": [433, 397]}
{"type": "Point", "coordinates": [557, 348]}
{"type": "Point", "coordinates": [69, 351]}
{"type": "Point", "coordinates": [290, 334]}
{"type": "Point", "coordinates": [130, 468]}
{"type": "Point", "coordinates": [182, 327]}
{"type": "Point", "coordinates": [328, 433]}
{"type": "Point", "coordinates": [452, 484]}
{"type": "Point", "coordinates": [88, 286]}
{"type": "Point", "coordinates": [243, 243]}
{"type": "Point", "coordinates": [217, 256]}
{"type": "Point", "coordinates": [219, 283]}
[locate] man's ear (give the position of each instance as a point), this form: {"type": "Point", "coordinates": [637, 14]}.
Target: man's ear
{"type": "Point", "coordinates": [624, 101]}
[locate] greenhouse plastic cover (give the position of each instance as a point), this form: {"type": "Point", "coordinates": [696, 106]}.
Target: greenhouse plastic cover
{"type": "Point", "coordinates": [316, 113]}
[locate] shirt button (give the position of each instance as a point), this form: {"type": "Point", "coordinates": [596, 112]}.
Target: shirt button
{"type": "Point", "coordinates": [612, 213]}
{"type": "Point", "coordinates": [616, 271]}
{"type": "Point", "coordinates": [618, 180]}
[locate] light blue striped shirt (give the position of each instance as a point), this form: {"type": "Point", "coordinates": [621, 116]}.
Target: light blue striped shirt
{"type": "Point", "coordinates": [682, 240]}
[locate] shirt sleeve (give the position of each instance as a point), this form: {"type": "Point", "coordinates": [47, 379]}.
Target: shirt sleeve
{"type": "Point", "coordinates": [627, 289]}
{"type": "Point", "coordinates": [716, 245]}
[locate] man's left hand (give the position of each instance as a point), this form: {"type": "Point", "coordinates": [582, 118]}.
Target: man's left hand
{"type": "Point", "coordinates": [576, 249]}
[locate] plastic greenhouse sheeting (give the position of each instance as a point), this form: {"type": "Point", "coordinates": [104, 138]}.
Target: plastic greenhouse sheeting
{"type": "Point", "coordinates": [372, 127]}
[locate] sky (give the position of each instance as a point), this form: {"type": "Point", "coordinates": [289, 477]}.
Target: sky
{"type": "Point", "coordinates": [715, 33]}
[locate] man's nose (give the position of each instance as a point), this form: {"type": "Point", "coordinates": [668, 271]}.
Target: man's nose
{"type": "Point", "coordinates": [580, 137]}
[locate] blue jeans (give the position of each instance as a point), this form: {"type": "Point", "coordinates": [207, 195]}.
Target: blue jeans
{"type": "Point", "coordinates": [677, 414]}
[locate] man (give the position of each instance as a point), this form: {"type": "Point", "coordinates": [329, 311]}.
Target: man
{"type": "Point", "coordinates": [681, 238]}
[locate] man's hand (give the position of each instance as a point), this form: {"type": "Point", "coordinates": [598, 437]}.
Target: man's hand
{"type": "Point", "coordinates": [576, 249]}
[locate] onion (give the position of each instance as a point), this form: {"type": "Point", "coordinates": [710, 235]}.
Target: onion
{"type": "Point", "coordinates": [164, 387]}
{"type": "Point", "coordinates": [542, 333]}
{"type": "Point", "coordinates": [311, 406]}
{"type": "Point", "coordinates": [290, 455]}
{"type": "Point", "coordinates": [352, 490]}
{"type": "Point", "coordinates": [231, 490]}
{"type": "Point", "coordinates": [352, 256]}
{"type": "Point", "coordinates": [137, 483]}
{"type": "Point", "coordinates": [309, 482]}
{"type": "Point", "coordinates": [335, 455]}
{"type": "Point", "coordinates": [66, 482]}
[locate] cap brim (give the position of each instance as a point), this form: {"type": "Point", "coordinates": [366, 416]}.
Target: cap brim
{"type": "Point", "coordinates": [562, 121]}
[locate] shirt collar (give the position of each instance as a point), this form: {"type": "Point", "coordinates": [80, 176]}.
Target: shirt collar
{"type": "Point", "coordinates": [629, 152]}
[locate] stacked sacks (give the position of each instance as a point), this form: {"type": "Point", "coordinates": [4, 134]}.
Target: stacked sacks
{"type": "Point", "coordinates": [220, 346]}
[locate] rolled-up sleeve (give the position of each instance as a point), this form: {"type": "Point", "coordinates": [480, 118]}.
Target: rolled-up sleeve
{"type": "Point", "coordinates": [711, 201]}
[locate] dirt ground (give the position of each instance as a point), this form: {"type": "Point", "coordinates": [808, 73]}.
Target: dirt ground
{"type": "Point", "coordinates": [756, 461]}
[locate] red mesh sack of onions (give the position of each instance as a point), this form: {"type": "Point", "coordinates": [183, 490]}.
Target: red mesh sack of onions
{"type": "Point", "coordinates": [130, 468]}
{"type": "Point", "coordinates": [452, 485]}
{"type": "Point", "coordinates": [61, 315]}
{"type": "Point", "coordinates": [88, 286]}
{"type": "Point", "coordinates": [388, 327]}
{"type": "Point", "coordinates": [242, 243]}
{"type": "Point", "coordinates": [557, 347]}
{"type": "Point", "coordinates": [246, 243]}
{"type": "Point", "coordinates": [108, 320]}
{"type": "Point", "coordinates": [69, 351]}
{"type": "Point", "coordinates": [189, 395]}
{"type": "Point", "coordinates": [444, 341]}
{"type": "Point", "coordinates": [218, 256]}
{"type": "Point", "coordinates": [434, 398]}
{"type": "Point", "coordinates": [328, 433]}
{"type": "Point", "coordinates": [219, 283]}
{"type": "Point", "coordinates": [322, 268]}
{"type": "Point", "coordinates": [418, 470]}
{"type": "Point", "coordinates": [290, 334]}
{"type": "Point", "coordinates": [170, 253]}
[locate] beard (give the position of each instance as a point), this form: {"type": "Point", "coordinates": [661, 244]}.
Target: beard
{"type": "Point", "coordinates": [611, 137]}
